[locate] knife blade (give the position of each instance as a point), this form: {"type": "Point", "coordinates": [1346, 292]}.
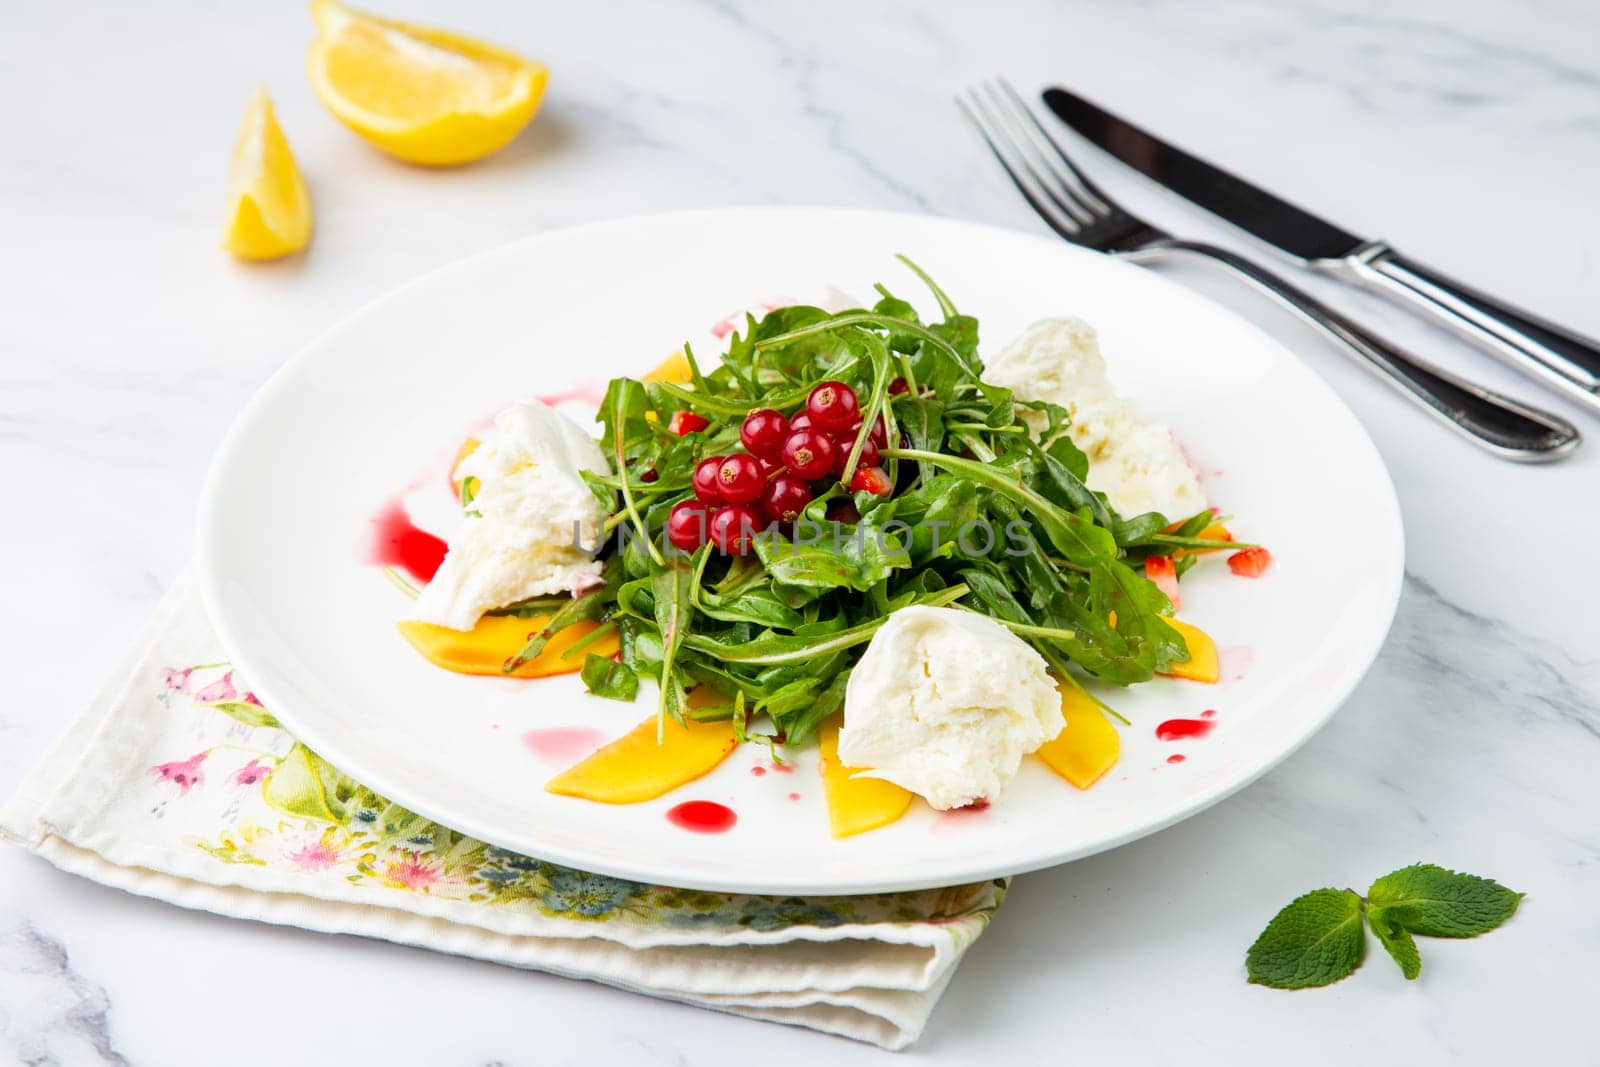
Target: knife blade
{"type": "Point", "coordinates": [1274, 220]}
{"type": "Point", "coordinates": [1550, 353]}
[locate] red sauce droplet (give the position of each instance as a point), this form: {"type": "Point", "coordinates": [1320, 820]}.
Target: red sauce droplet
{"type": "Point", "coordinates": [702, 816]}
{"type": "Point", "coordinates": [758, 770]}
{"type": "Point", "coordinates": [1176, 757]}
{"type": "Point", "coordinates": [1180, 729]}
{"type": "Point", "coordinates": [1209, 713]}
{"type": "Point", "coordinates": [397, 542]}
{"type": "Point", "coordinates": [781, 768]}
{"type": "Point", "coordinates": [794, 796]}
{"type": "Point", "coordinates": [563, 744]}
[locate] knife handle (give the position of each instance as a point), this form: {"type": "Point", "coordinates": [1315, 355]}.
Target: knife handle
{"type": "Point", "coordinates": [1506, 427]}
{"type": "Point", "coordinates": [1536, 347]}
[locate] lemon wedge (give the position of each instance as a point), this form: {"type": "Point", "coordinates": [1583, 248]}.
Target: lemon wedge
{"type": "Point", "coordinates": [423, 94]}
{"type": "Point", "coordinates": [269, 211]}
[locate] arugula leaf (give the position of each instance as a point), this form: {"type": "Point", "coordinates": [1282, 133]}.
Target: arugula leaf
{"type": "Point", "coordinates": [605, 677]}
{"type": "Point", "coordinates": [1316, 940]}
{"type": "Point", "coordinates": [673, 588]}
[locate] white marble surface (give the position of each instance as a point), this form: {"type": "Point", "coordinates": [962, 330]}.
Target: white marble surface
{"type": "Point", "coordinates": [129, 340]}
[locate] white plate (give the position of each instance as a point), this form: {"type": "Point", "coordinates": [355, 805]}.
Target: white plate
{"type": "Point", "coordinates": [381, 401]}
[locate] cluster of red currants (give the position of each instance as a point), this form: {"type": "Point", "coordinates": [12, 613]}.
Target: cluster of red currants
{"type": "Point", "coordinates": [776, 477]}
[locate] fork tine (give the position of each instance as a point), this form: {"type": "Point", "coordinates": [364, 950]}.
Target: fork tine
{"type": "Point", "coordinates": [1020, 131]}
{"type": "Point", "coordinates": [1044, 140]}
{"type": "Point", "coordinates": [1064, 224]}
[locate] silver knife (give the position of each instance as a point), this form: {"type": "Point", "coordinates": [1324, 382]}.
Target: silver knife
{"type": "Point", "coordinates": [1541, 349]}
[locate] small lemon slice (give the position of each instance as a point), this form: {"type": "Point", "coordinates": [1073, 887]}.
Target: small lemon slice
{"type": "Point", "coordinates": [423, 94]}
{"type": "Point", "coordinates": [269, 211]}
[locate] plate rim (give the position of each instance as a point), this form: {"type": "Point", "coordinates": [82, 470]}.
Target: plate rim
{"type": "Point", "coordinates": [1356, 667]}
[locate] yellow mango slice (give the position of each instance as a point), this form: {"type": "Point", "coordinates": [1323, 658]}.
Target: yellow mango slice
{"type": "Point", "coordinates": [496, 638]}
{"type": "Point", "coordinates": [1088, 746]}
{"type": "Point", "coordinates": [1202, 664]}
{"type": "Point", "coordinates": [674, 369]}
{"type": "Point", "coordinates": [855, 805]}
{"type": "Point", "coordinates": [469, 445]}
{"type": "Point", "coordinates": [635, 768]}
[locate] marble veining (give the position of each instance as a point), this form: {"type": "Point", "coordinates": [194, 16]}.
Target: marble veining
{"type": "Point", "coordinates": [130, 341]}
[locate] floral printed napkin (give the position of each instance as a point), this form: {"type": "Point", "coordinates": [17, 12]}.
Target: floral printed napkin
{"type": "Point", "coordinates": [176, 783]}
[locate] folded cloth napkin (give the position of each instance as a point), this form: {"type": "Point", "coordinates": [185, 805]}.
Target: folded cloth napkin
{"type": "Point", "coordinates": [176, 783]}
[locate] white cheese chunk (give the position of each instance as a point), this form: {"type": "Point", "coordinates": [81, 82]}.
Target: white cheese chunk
{"type": "Point", "coordinates": [946, 703]}
{"type": "Point", "coordinates": [1136, 463]}
{"type": "Point", "coordinates": [533, 527]}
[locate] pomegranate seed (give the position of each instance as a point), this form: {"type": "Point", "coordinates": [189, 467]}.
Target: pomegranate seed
{"type": "Point", "coordinates": [687, 422]}
{"type": "Point", "coordinates": [808, 454]}
{"type": "Point", "coordinates": [733, 528]}
{"type": "Point", "coordinates": [898, 386]}
{"type": "Point", "coordinates": [872, 480]}
{"type": "Point", "coordinates": [841, 453]}
{"type": "Point", "coordinates": [705, 481]}
{"type": "Point", "coordinates": [1250, 562]}
{"type": "Point", "coordinates": [739, 479]}
{"type": "Point", "coordinates": [763, 431]}
{"type": "Point", "coordinates": [785, 497]}
{"type": "Point", "coordinates": [833, 406]}
{"type": "Point", "coordinates": [688, 524]}
{"type": "Point", "coordinates": [1160, 570]}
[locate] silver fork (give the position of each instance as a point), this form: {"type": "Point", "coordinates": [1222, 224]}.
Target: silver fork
{"type": "Point", "coordinates": [1074, 207]}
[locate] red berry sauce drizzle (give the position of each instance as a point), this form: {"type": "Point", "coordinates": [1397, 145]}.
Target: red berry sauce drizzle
{"type": "Point", "coordinates": [702, 816]}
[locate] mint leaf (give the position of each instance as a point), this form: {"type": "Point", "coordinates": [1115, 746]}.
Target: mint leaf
{"type": "Point", "coordinates": [1396, 940]}
{"type": "Point", "coordinates": [1315, 941]}
{"type": "Point", "coordinates": [1434, 902]}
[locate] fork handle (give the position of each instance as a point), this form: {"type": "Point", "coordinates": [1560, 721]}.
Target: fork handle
{"type": "Point", "coordinates": [1540, 349]}
{"type": "Point", "coordinates": [1506, 427]}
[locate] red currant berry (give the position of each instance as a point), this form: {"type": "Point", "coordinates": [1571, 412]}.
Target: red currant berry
{"type": "Point", "coordinates": [688, 525]}
{"type": "Point", "coordinates": [801, 421]}
{"type": "Point", "coordinates": [733, 528]}
{"type": "Point", "coordinates": [880, 434]}
{"type": "Point", "coordinates": [739, 479]}
{"type": "Point", "coordinates": [687, 422]}
{"type": "Point", "coordinates": [841, 453]}
{"type": "Point", "coordinates": [705, 481]}
{"type": "Point", "coordinates": [871, 480]}
{"type": "Point", "coordinates": [833, 406]}
{"type": "Point", "coordinates": [898, 386]}
{"type": "Point", "coordinates": [808, 454]}
{"type": "Point", "coordinates": [785, 497]}
{"type": "Point", "coordinates": [649, 474]}
{"type": "Point", "coordinates": [763, 431]}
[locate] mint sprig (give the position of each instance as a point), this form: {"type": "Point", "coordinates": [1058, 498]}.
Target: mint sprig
{"type": "Point", "coordinates": [1320, 938]}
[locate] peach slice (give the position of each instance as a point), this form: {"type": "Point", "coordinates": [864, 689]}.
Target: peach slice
{"type": "Point", "coordinates": [496, 638]}
{"type": "Point", "coordinates": [635, 767]}
{"type": "Point", "coordinates": [1202, 665]}
{"type": "Point", "coordinates": [855, 805]}
{"type": "Point", "coordinates": [674, 369]}
{"type": "Point", "coordinates": [1088, 746]}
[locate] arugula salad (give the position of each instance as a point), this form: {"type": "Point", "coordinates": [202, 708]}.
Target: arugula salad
{"type": "Point", "coordinates": [765, 518]}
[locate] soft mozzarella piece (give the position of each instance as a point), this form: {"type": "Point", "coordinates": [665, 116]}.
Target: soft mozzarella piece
{"type": "Point", "coordinates": [528, 528]}
{"type": "Point", "coordinates": [1136, 463]}
{"type": "Point", "coordinates": [946, 703]}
